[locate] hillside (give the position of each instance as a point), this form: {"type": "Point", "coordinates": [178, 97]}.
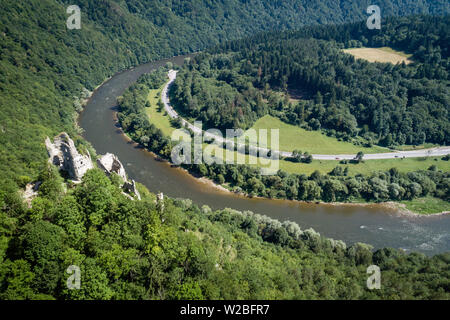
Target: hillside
{"type": "Point", "coordinates": [44, 66]}
{"type": "Point", "coordinates": [372, 103]}
{"type": "Point", "coordinates": [172, 249]}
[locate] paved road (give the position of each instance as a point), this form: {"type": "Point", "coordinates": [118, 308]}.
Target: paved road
{"type": "Point", "coordinates": [433, 152]}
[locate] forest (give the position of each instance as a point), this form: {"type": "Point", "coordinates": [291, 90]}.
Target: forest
{"type": "Point", "coordinates": [132, 249]}
{"type": "Point", "coordinates": [45, 68]}
{"type": "Point", "coordinates": [337, 185]}
{"type": "Point", "coordinates": [233, 85]}
{"type": "Point", "coordinates": [209, 88]}
{"type": "Point", "coordinates": [173, 249]}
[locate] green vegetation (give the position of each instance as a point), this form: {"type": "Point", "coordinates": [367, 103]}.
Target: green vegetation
{"type": "Point", "coordinates": [161, 120]}
{"type": "Point", "coordinates": [145, 250]}
{"type": "Point", "coordinates": [364, 103]}
{"type": "Point", "coordinates": [293, 137]}
{"type": "Point", "coordinates": [428, 205]}
{"type": "Point", "coordinates": [409, 147]}
{"type": "Point", "coordinates": [156, 113]}
{"type": "Point", "coordinates": [223, 89]}
{"type": "Point", "coordinates": [129, 249]}
{"type": "Point", "coordinates": [45, 68]}
{"type": "Point", "coordinates": [366, 167]}
{"type": "Point", "coordinates": [331, 186]}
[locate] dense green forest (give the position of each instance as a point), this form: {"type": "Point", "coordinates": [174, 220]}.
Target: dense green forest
{"type": "Point", "coordinates": [235, 84]}
{"type": "Point", "coordinates": [172, 249]}
{"type": "Point", "coordinates": [210, 88]}
{"type": "Point", "coordinates": [131, 249]}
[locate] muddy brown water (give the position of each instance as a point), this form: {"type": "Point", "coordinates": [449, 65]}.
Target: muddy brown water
{"type": "Point", "coordinates": [374, 224]}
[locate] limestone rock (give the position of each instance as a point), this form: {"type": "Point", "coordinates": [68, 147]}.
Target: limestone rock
{"type": "Point", "coordinates": [160, 202]}
{"type": "Point", "coordinates": [31, 192]}
{"type": "Point", "coordinates": [130, 187]}
{"type": "Point", "coordinates": [64, 154]}
{"type": "Point", "coordinates": [110, 163]}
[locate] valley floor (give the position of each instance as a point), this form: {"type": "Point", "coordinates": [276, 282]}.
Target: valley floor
{"type": "Point", "coordinates": [317, 142]}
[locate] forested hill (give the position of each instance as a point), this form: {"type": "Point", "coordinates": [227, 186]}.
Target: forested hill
{"type": "Point", "coordinates": [44, 66]}
{"type": "Point", "coordinates": [349, 98]}
{"type": "Point", "coordinates": [174, 249]}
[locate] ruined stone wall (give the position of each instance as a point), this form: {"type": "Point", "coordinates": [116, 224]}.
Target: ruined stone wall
{"type": "Point", "coordinates": [63, 153]}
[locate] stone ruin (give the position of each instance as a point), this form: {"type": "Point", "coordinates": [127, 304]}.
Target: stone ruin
{"type": "Point", "coordinates": [160, 202]}
{"type": "Point", "coordinates": [63, 153]}
{"type": "Point", "coordinates": [111, 164]}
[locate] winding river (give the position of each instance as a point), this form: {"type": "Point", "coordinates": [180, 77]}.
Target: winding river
{"type": "Point", "coordinates": [373, 224]}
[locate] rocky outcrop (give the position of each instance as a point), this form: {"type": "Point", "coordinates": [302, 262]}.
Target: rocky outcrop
{"type": "Point", "coordinates": [160, 202]}
{"type": "Point", "coordinates": [31, 192]}
{"type": "Point", "coordinates": [64, 154]}
{"type": "Point", "coordinates": [111, 164]}
{"type": "Point", "coordinates": [130, 187]}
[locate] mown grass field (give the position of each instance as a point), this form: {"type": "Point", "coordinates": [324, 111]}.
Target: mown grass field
{"type": "Point", "coordinates": [293, 137]}
{"type": "Point", "coordinates": [426, 205]}
{"type": "Point", "coordinates": [384, 54]}
{"type": "Point", "coordinates": [422, 146]}
{"type": "Point", "coordinates": [159, 118]}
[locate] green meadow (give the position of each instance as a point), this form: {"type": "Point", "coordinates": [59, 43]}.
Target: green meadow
{"type": "Point", "coordinates": [293, 137]}
{"type": "Point", "coordinates": [427, 205]}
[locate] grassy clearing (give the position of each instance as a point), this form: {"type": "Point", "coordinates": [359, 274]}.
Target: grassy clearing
{"type": "Point", "coordinates": [422, 146]}
{"type": "Point", "coordinates": [383, 54]}
{"type": "Point", "coordinates": [159, 118]}
{"type": "Point", "coordinates": [427, 205]}
{"type": "Point", "coordinates": [400, 53]}
{"type": "Point", "coordinates": [293, 137]}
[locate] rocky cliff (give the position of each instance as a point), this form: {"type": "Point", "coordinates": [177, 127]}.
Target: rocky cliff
{"type": "Point", "coordinates": [111, 164]}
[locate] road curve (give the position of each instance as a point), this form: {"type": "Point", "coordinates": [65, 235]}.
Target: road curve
{"type": "Point", "coordinates": [432, 152]}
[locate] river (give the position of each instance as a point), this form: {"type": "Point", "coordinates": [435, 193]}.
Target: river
{"type": "Point", "coordinates": [374, 224]}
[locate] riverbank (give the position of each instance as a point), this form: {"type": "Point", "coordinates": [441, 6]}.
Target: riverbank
{"type": "Point", "coordinates": [399, 207]}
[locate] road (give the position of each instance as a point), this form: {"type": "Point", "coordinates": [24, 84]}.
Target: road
{"type": "Point", "coordinates": [432, 152]}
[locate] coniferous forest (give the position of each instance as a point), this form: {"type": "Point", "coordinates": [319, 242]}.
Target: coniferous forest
{"type": "Point", "coordinates": [384, 103]}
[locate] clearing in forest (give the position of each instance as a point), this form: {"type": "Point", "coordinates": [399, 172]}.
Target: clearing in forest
{"type": "Point", "coordinates": [315, 142]}
{"type": "Point", "coordinates": [384, 54]}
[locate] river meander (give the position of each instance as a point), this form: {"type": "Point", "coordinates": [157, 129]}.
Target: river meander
{"type": "Point", "coordinates": [373, 224]}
